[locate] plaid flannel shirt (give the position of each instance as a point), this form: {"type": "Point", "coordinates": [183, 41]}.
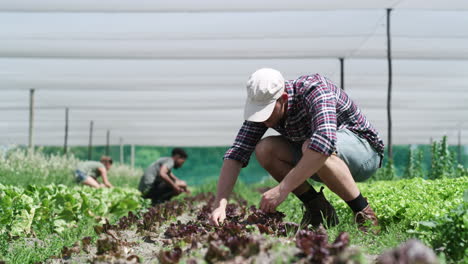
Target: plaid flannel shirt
{"type": "Point", "coordinates": [317, 108]}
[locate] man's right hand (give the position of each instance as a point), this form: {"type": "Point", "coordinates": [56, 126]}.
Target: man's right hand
{"type": "Point", "coordinates": [218, 215]}
{"type": "Point", "coordinates": [177, 189]}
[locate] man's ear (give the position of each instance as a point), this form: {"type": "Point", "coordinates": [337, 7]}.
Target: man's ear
{"type": "Point", "coordinates": [284, 97]}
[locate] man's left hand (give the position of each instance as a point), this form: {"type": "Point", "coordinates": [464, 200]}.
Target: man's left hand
{"type": "Point", "coordinates": [271, 199]}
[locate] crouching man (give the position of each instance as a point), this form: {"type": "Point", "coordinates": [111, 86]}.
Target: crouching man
{"type": "Point", "coordinates": [324, 136]}
{"type": "Point", "coordinates": [159, 183]}
{"type": "Point", "coordinates": [88, 172]}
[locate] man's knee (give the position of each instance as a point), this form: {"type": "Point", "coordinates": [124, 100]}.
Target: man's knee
{"type": "Point", "coordinates": [264, 149]}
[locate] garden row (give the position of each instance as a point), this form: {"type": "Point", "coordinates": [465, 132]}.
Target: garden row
{"type": "Point", "coordinates": [179, 231]}
{"type": "Point", "coordinates": [47, 214]}
{"type": "Point", "coordinates": [434, 211]}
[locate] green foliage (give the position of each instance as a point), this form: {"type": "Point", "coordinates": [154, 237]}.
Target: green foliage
{"type": "Point", "coordinates": [410, 203]}
{"type": "Point", "coordinates": [448, 233]}
{"type": "Point", "coordinates": [19, 167]}
{"type": "Point", "coordinates": [55, 208]}
{"type": "Point", "coordinates": [413, 200]}
{"type": "Point", "coordinates": [386, 173]}
{"type": "Point", "coordinates": [414, 167]}
{"type": "Point", "coordinates": [443, 161]}
{"type": "Point", "coordinates": [404, 208]}
{"type": "Point", "coordinates": [461, 171]}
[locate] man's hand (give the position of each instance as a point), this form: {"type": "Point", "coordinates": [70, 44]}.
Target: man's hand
{"type": "Point", "coordinates": [106, 185]}
{"type": "Point", "coordinates": [218, 215]}
{"type": "Point", "coordinates": [181, 183]}
{"type": "Point", "coordinates": [177, 189]}
{"type": "Point", "coordinates": [271, 199]}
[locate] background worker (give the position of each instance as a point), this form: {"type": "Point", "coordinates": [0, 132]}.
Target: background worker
{"type": "Point", "coordinates": [158, 183]}
{"type": "Point", "coordinates": [87, 172]}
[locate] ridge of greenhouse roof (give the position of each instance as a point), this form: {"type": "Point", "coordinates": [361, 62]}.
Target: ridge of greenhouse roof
{"type": "Point", "coordinates": [168, 6]}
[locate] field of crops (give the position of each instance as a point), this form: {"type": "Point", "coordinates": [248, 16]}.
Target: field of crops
{"type": "Point", "coordinates": [63, 223]}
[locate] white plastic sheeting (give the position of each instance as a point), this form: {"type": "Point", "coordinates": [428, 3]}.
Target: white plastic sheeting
{"type": "Point", "coordinates": [173, 72]}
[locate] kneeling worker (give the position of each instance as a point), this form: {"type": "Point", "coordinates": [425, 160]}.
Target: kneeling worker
{"type": "Point", "coordinates": [159, 183]}
{"type": "Point", "coordinates": [87, 172]}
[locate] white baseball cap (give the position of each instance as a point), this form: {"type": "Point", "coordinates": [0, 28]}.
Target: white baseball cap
{"type": "Point", "coordinates": [264, 87]}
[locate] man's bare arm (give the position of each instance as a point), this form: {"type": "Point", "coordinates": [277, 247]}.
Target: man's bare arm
{"type": "Point", "coordinates": [165, 175]}
{"type": "Point", "coordinates": [174, 178]}
{"type": "Point", "coordinates": [309, 164]}
{"type": "Point", "coordinates": [227, 179]}
{"type": "Point", "coordinates": [105, 180]}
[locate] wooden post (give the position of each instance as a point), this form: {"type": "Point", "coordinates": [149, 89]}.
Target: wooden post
{"type": "Point", "coordinates": [90, 145]}
{"type": "Point", "coordinates": [132, 156]}
{"type": "Point", "coordinates": [342, 72]}
{"type": "Point", "coordinates": [121, 151]}
{"type": "Point", "coordinates": [389, 92]}
{"type": "Point", "coordinates": [31, 120]}
{"type": "Point", "coordinates": [65, 143]}
{"type": "Point", "coordinates": [108, 143]}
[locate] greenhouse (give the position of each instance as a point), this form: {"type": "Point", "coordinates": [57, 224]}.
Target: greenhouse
{"type": "Point", "coordinates": [130, 84]}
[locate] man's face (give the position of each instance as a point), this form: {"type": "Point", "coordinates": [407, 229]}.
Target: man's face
{"type": "Point", "coordinates": [107, 165]}
{"type": "Point", "coordinates": [178, 161]}
{"type": "Point", "coordinates": [278, 113]}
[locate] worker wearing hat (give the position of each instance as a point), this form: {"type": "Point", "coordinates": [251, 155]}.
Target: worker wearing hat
{"type": "Point", "coordinates": [323, 135]}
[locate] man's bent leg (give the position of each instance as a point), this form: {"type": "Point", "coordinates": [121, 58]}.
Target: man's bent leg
{"type": "Point", "coordinates": [336, 175]}
{"type": "Point", "coordinates": [90, 181]}
{"type": "Point", "coordinates": [338, 178]}
{"type": "Point", "coordinates": [159, 193]}
{"type": "Point", "coordinates": [276, 155]}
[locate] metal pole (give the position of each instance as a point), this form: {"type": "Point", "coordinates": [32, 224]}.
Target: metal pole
{"type": "Point", "coordinates": [90, 146]}
{"type": "Point", "coordinates": [342, 72]}
{"type": "Point", "coordinates": [132, 156]}
{"type": "Point", "coordinates": [460, 157]}
{"type": "Point", "coordinates": [121, 151]}
{"type": "Point", "coordinates": [389, 92]}
{"type": "Point", "coordinates": [65, 144]}
{"type": "Point", "coordinates": [31, 120]}
{"type": "Point", "coordinates": [107, 142]}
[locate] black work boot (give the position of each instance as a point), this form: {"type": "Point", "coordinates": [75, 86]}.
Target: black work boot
{"type": "Point", "coordinates": [319, 211]}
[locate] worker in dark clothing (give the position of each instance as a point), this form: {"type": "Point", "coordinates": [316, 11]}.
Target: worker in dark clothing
{"type": "Point", "coordinates": [159, 183]}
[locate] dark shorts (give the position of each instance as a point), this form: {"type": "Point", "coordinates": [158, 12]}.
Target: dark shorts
{"type": "Point", "coordinates": [360, 157]}
{"type": "Point", "coordinates": [160, 192]}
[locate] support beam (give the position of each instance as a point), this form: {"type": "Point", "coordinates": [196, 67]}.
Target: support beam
{"type": "Point", "coordinates": [132, 156]}
{"type": "Point", "coordinates": [121, 151]}
{"type": "Point", "coordinates": [65, 143]}
{"type": "Point", "coordinates": [108, 143]}
{"type": "Point", "coordinates": [389, 92]}
{"type": "Point", "coordinates": [31, 120]}
{"type": "Point", "coordinates": [90, 145]}
{"type": "Point", "coordinates": [342, 73]}
{"type": "Point", "coordinates": [460, 157]}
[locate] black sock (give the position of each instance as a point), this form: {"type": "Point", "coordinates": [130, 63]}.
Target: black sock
{"type": "Point", "coordinates": [358, 203]}
{"type": "Point", "coordinates": [308, 195]}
